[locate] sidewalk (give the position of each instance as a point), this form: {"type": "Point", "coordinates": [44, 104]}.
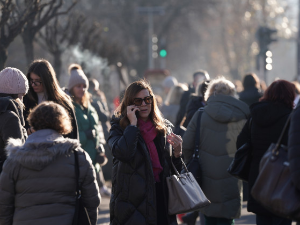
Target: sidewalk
{"type": "Point", "coordinates": [246, 218]}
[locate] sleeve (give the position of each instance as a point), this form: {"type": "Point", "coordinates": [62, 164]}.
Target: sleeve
{"type": "Point", "coordinates": [12, 127]}
{"type": "Point", "coordinates": [245, 135]}
{"type": "Point", "coordinates": [294, 147]}
{"type": "Point", "coordinates": [89, 189]}
{"type": "Point", "coordinates": [7, 195]}
{"type": "Point", "coordinates": [123, 144]}
{"type": "Point", "coordinates": [189, 138]}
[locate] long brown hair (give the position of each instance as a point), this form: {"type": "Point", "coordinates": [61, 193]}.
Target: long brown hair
{"type": "Point", "coordinates": [45, 71]}
{"type": "Point", "coordinates": [131, 91]}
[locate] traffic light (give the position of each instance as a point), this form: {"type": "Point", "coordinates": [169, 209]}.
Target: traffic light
{"type": "Point", "coordinates": [269, 60]}
{"type": "Point", "coordinates": [264, 38]}
{"type": "Point", "coordinates": [154, 46]}
{"type": "Point", "coordinates": [163, 48]}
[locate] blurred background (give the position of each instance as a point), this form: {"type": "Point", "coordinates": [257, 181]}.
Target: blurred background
{"type": "Point", "coordinates": [118, 41]}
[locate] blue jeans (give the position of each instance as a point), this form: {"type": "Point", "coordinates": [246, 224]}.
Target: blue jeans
{"type": "Point", "coordinates": [218, 221]}
{"type": "Point", "coordinates": [272, 220]}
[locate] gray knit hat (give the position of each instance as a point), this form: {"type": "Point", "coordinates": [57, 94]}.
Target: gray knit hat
{"type": "Point", "coordinates": [77, 77]}
{"type": "Point", "coordinates": [13, 81]}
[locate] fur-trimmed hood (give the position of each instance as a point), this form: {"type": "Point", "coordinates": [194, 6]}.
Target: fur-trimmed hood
{"type": "Point", "coordinates": [40, 149]}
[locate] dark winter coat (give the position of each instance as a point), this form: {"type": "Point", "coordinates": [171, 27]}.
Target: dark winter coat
{"type": "Point", "coordinates": [195, 102]}
{"type": "Point", "coordinates": [11, 124]}
{"type": "Point", "coordinates": [294, 147]}
{"type": "Point", "coordinates": [250, 95]}
{"type": "Point", "coordinates": [30, 104]}
{"type": "Point", "coordinates": [268, 120]}
{"type": "Point", "coordinates": [38, 182]}
{"type": "Point", "coordinates": [133, 199]}
{"type": "Point", "coordinates": [183, 103]}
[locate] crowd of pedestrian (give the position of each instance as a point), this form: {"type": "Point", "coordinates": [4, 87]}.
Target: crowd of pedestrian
{"type": "Point", "coordinates": [55, 142]}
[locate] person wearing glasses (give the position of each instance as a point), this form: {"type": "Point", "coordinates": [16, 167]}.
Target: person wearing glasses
{"type": "Point", "coordinates": [44, 86]}
{"type": "Point", "coordinates": [141, 141]}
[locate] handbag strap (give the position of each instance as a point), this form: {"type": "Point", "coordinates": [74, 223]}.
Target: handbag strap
{"type": "Point", "coordinates": [197, 135]}
{"type": "Point", "coordinates": [77, 173]}
{"type": "Point", "coordinates": [282, 133]}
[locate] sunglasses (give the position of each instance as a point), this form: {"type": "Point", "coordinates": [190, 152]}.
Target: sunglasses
{"type": "Point", "coordinates": [138, 101]}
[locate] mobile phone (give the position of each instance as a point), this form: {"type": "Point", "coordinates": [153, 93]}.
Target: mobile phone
{"type": "Point", "coordinates": [137, 113]}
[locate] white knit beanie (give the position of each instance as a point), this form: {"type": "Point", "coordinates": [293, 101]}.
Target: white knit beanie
{"type": "Point", "coordinates": [77, 77]}
{"type": "Point", "coordinates": [13, 81]}
{"type": "Point", "coordinates": [170, 81]}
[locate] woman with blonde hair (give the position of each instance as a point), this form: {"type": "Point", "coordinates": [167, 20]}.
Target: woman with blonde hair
{"type": "Point", "coordinates": [171, 105]}
{"type": "Point", "coordinates": [141, 142]}
{"type": "Point", "coordinates": [221, 122]}
{"type": "Point", "coordinates": [38, 182]}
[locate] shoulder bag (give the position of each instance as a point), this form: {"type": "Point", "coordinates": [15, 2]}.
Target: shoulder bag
{"type": "Point", "coordinates": [193, 165]}
{"type": "Point", "coordinates": [81, 216]}
{"type": "Point", "coordinates": [274, 188]}
{"type": "Point", "coordinates": [240, 165]}
{"type": "Point", "coordinates": [185, 194]}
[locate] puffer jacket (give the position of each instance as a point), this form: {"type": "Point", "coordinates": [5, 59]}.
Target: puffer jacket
{"type": "Point", "coordinates": [11, 124]}
{"type": "Point", "coordinates": [38, 182]}
{"type": "Point", "coordinates": [222, 120]}
{"type": "Point", "coordinates": [133, 199]}
{"type": "Point", "coordinates": [268, 120]}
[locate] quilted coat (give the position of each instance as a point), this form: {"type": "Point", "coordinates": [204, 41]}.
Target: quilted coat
{"type": "Point", "coordinates": [133, 200]}
{"type": "Point", "coordinates": [11, 124]}
{"type": "Point", "coordinates": [38, 182]}
{"type": "Point", "coordinates": [222, 120]}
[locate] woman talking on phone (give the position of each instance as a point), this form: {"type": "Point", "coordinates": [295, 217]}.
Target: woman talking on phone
{"type": "Point", "coordinates": [141, 142]}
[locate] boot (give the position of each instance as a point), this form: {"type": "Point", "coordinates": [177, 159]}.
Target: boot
{"type": "Point", "coordinates": [190, 218]}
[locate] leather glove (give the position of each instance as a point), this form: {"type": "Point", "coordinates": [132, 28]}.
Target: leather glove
{"type": "Point", "coordinates": [90, 134]}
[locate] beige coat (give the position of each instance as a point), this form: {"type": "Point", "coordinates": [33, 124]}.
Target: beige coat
{"type": "Point", "coordinates": [221, 122]}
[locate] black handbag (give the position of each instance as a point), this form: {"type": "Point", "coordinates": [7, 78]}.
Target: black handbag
{"type": "Point", "coordinates": [81, 216]}
{"type": "Point", "coordinates": [240, 165]}
{"type": "Point", "coordinates": [274, 188]}
{"type": "Point", "coordinates": [193, 165]}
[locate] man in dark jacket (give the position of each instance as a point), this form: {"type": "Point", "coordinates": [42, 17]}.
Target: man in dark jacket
{"type": "Point", "coordinates": [198, 77]}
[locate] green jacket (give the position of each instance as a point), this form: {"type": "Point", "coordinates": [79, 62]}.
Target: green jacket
{"type": "Point", "coordinates": [87, 119]}
{"type": "Point", "coordinates": [222, 120]}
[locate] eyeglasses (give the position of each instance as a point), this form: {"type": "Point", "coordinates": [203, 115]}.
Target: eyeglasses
{"type": "Point", "coordinates": [138, 101]}
{"type": "Point", "coordinates": [36, 83]}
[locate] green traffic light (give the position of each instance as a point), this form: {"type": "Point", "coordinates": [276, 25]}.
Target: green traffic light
{"type": "Point", "coordinates": [163, 53]}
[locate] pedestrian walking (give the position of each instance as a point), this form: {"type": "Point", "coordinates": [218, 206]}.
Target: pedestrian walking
{"type": "Point", "coordinates": [141, 142]}
{"type": "Point", "coordinates": [89, 127]}
{"type": "Point", "coordinates": [268, 118]}
{"type": "Point", "coordinates": [252, 92]}
{"type": "Point", "coordinates": [221, 121]}
{"type": "Point", "coordinates": [172, 104]}
{"type": "Point", "coordinates": [198, 77]}
{"type": "Point", "coordinates": [38, 182]}
{"type": "Point", "coordinates": [44, 86]}
{"type": "Point", "coordinates": [13, 86]}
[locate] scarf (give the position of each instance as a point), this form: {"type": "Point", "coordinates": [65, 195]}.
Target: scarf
{"type": "Point", "coordinates": [148, 133]}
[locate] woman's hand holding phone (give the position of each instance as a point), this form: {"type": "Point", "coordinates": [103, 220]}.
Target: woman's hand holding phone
{"type": "Point", "coordinates": [132, 112]}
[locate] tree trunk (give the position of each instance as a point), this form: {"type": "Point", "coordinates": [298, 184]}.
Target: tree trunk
{"type": "Point", "coordinates": [27, 38]}
{"type": "Point", "coordinates": [3, 57]}
{"type": "Point", "coordinates": [57, 64]}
